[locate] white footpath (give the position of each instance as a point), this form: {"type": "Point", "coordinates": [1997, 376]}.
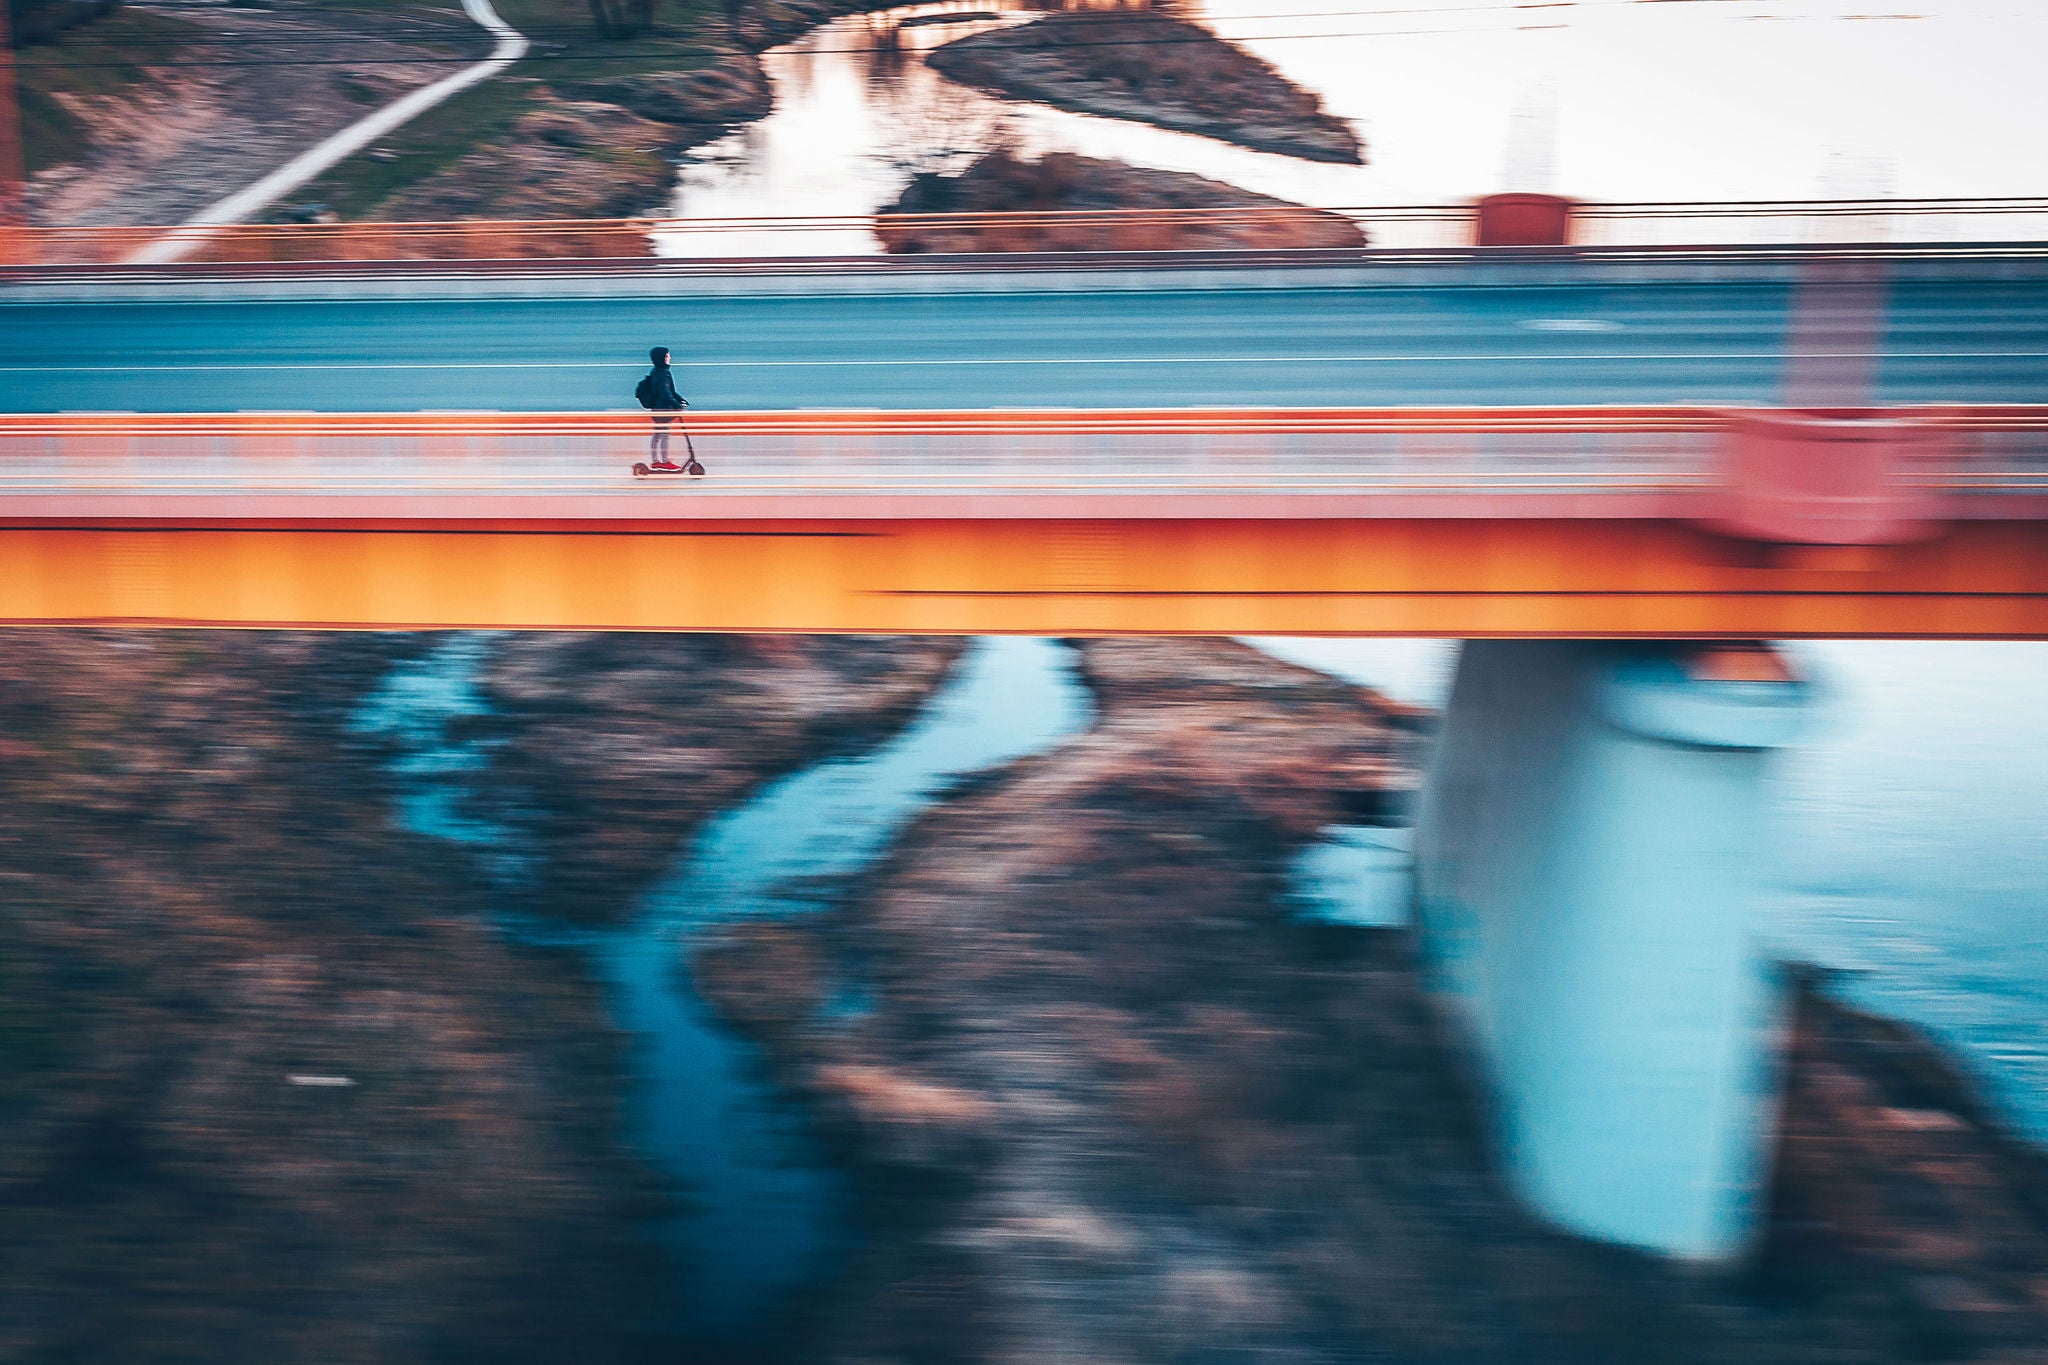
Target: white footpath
{"type": "Point", "coordinates": [176, 245]}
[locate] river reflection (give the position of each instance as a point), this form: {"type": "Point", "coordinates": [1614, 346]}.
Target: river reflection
{"type": "Point", "coordinates": [858, 113]}
{"type": "Point", "coordinates": [1453, 100]}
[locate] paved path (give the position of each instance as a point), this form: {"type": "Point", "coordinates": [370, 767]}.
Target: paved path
{"type": "Point", "coordinates": [324, 156]}
{"type": "Point", "coordinates": [1483, 334]}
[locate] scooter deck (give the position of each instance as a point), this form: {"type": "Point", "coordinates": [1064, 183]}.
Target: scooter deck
{"type": "Point", "coordinates": [643, 470]}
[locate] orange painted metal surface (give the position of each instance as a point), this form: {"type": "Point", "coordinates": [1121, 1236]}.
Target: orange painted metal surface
{"type": "Point", "coordinates": [1437, 577]}
{"type": "Point", "coordinates": [258, 520]}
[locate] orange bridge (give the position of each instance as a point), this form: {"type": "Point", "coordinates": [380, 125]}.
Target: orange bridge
{"type": "Point", "coordinates": [1533, 522]}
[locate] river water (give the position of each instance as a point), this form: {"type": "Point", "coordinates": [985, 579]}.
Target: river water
{"type": "Point", "coordinates": [1911, 858]}
{"type": "Point", "coordinates": [766, 1214]}
{"type": "Point", "coordinates": [1732, 100]}
{"type": "Point", "coordinates": [761, 1213]}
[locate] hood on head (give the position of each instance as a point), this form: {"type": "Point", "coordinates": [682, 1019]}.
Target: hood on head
{"type": "Point", "coordinates": [659, 355]}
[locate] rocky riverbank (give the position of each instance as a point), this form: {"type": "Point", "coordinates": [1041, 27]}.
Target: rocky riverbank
{"type": "Point", "coordinates": [273, 1086]}
{"type": "Point", "coordinates": [591, 128]}
{"type": "Point", "coordinates": [597, 145]}
{"type": "Point", "coordinates": [1220, 217]}
{"type": "Point", "coordinates": [609, 751]}
{"type": "Point", "coordinates": [591, 148]}
{"type": "Point", "coordinates": [1113, 1101]}
{"type": "Point", "coordinates": [270, 1089]}
{"type": "Point", "coordinates": [604, 123]}
{"type": "Point", "coordinates": [150, 114]}
{"type": "Point", "coordinates": [154, 113]}
{"type": "Point", "coordinates": [1900, 1194]}
{"type": "Point", "coordinates": [1152, 69]}
{"type": "Point", "coordinates": [603, 128]}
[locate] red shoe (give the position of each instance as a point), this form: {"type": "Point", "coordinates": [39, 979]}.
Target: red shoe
{"type": "Point", "coordinates": [665, 465]}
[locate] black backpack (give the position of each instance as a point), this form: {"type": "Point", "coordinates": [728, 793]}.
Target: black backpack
{"type": "Point", "coordinates": [643, 392]}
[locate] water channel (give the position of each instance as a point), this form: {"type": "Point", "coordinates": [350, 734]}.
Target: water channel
{"type": "Point", "coordinates": [762, 1214]}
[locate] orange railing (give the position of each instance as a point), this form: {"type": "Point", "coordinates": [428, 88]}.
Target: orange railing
{"type": "Point", "coordinates": [1980, 462]}
{"type": "Point", "coordinates": [1423, 227]}
{"type": "Point", "coordinates": [1553, 420]}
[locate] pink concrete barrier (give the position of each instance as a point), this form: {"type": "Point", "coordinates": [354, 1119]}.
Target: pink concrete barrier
{"type": "Point", "coordinates": [1831, 477]}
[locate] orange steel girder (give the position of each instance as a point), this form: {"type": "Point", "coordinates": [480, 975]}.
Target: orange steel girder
{"type": "Point", "coordinates": [1462, 578]}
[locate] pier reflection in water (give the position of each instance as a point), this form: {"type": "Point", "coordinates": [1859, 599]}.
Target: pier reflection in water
{"type": "Point", "coordinates": [1909, 845]}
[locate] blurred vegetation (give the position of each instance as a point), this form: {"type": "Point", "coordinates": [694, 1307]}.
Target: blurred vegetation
{"type": "Point", "coordinates": [33, 1026]}
{"type": "Point", "coordinates": [69, 61]}
{"type": "Point", "coordinates": [622, 18]}
{"type": "Point", "coordinates": [39, 21]}
{"type": "Point", "coordinates": [575, 60]}
{"type": "Point", "coordinates": [434, 141]}
{"type": "Point", "coordinates": [202, 894]}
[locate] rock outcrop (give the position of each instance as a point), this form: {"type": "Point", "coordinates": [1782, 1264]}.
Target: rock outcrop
{"type": "Point", "coordinates": [1219, 216]}
{"type": "Point", "coordinates": [1152, 69]}
{"type": "Point", "coordinates": [762, 24]}
{"type": "Point", "coordinates": [610, 750]}
{"type": "Point", "coordinates": [706, 102]}
{"type": "Point", "coordinates": [1899, 1190]}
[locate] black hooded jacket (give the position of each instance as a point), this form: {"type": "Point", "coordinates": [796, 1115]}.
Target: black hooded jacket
{"type": "Point", "coordinates": [665, 395]}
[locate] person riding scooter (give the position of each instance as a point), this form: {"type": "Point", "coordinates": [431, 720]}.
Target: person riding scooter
{"type": "Point", "coordinates": [657, 392]}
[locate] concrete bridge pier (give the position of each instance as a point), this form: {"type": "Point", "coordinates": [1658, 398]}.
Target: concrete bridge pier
{"type": "Point", "coordinates": [1589, 847]}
